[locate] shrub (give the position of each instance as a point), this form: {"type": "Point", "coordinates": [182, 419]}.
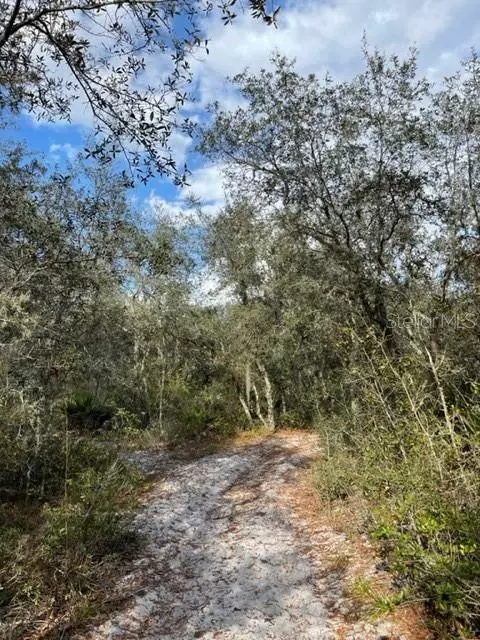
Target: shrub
{"type": "Point", "coordinates": [293, 419]}
{"type": "Point", "coordinates": [90, 517]}
{"type": "Point", "coordinates": [62, 552]}
{"type": "Point", "coordinates": [437, 549]}
{"type": "Point", "coordinates": [192, 412]}
{"type": "Point", "coordinates": [86, 412]}
{"type": "Point", "coordinates": [417, 461]}
{"type": "Point", "coordinates": [337, 476]}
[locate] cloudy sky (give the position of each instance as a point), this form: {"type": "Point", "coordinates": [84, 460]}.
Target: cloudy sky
{"type": "Point", "coordinates": [321, 35]}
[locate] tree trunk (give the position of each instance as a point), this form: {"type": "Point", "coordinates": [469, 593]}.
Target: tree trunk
{"type": "Point", "coordinates": [245, 407]}
{"type": "Point", "coordinates": [268, 396]}
{"type": "Point", "coordinates": [257, 406]}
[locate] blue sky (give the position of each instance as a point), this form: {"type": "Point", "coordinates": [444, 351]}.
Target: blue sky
{"type": "Point", "coordinates": [321, 35]}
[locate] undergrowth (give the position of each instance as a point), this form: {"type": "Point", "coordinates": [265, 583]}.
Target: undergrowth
{"type": "Point", "coordinates": [418, 466]}
{"type": "Point", "coordinates": [58, 551]}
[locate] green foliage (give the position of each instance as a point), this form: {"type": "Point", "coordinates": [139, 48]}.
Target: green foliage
{"type": "Point", "coordinates": [90, 519]}
{"type": "Point", "coordinates": [85, 411]}
{"type": "Point", "coordinates": [293, 419]}
{"type": "Point", "coordinates": [35, 458]}
{"type": "Point", "coordinates": [423, 489]}
{"type": "Point", "coordinates": [337, 476]}
{"type": "Point", "coordinates": [437, 551]}
{"type": "Point", "coordinates": [62, 551]}
{"type": "Point", "coordinates": [198, 412]}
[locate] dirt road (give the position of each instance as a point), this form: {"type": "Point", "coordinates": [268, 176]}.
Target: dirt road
{"type": "Point", "coordinates": [227, 554]}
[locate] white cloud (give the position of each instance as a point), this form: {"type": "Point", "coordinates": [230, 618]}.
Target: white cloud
{"type": "Point", "coordinates": [382, 16]}
{"type": "Point", "coordinates": [173, 211]}
{"type": "Point", "coordinates": [206, 184]}
{"type": "Point", "coordinates": [61, 151]}
{"type": "Point", "coordinates": [180, 144]}
{"type": "Point", "coordinates": [205, 190]}
{"type": "Point", "coordinates": [207, 290]}
{"type": "Point", "coordinates": [325, 36]}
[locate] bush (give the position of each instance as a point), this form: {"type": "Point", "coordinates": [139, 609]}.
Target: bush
{"type": "Point", "coordinates": [293, 420]}
{"type": "Point", "coordinates": [90, 518]}
{"type": "Point", "coordinates": [436, 549]}
{"type": "Point", "coordinates": [419, 468]}
{"type": "Point", "coordinates": [86, 412]}
{"type": "Point", "coordinates": [61, 553]}
{"type": "Point", "coordinates": [338, 476]}
{"type": "Point", "coordinates": [34, 460]}
{"type": "Point", "coordinates": [191, 412]}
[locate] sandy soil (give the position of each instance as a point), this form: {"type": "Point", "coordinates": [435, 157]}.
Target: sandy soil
{"type": "Point", "coordinates": [233, 548]}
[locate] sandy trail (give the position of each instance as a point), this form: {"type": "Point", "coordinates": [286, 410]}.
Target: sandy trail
{"type": "Point", "coordinates": [224, 556]}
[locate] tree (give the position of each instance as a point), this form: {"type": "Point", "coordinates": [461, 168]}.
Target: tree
{"type": "Point", "coordinates": [55, 53]}
{"type": "Point", "coordinates": [343, 165]}
{"type": "Point", "coordinates": [281, 335]}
